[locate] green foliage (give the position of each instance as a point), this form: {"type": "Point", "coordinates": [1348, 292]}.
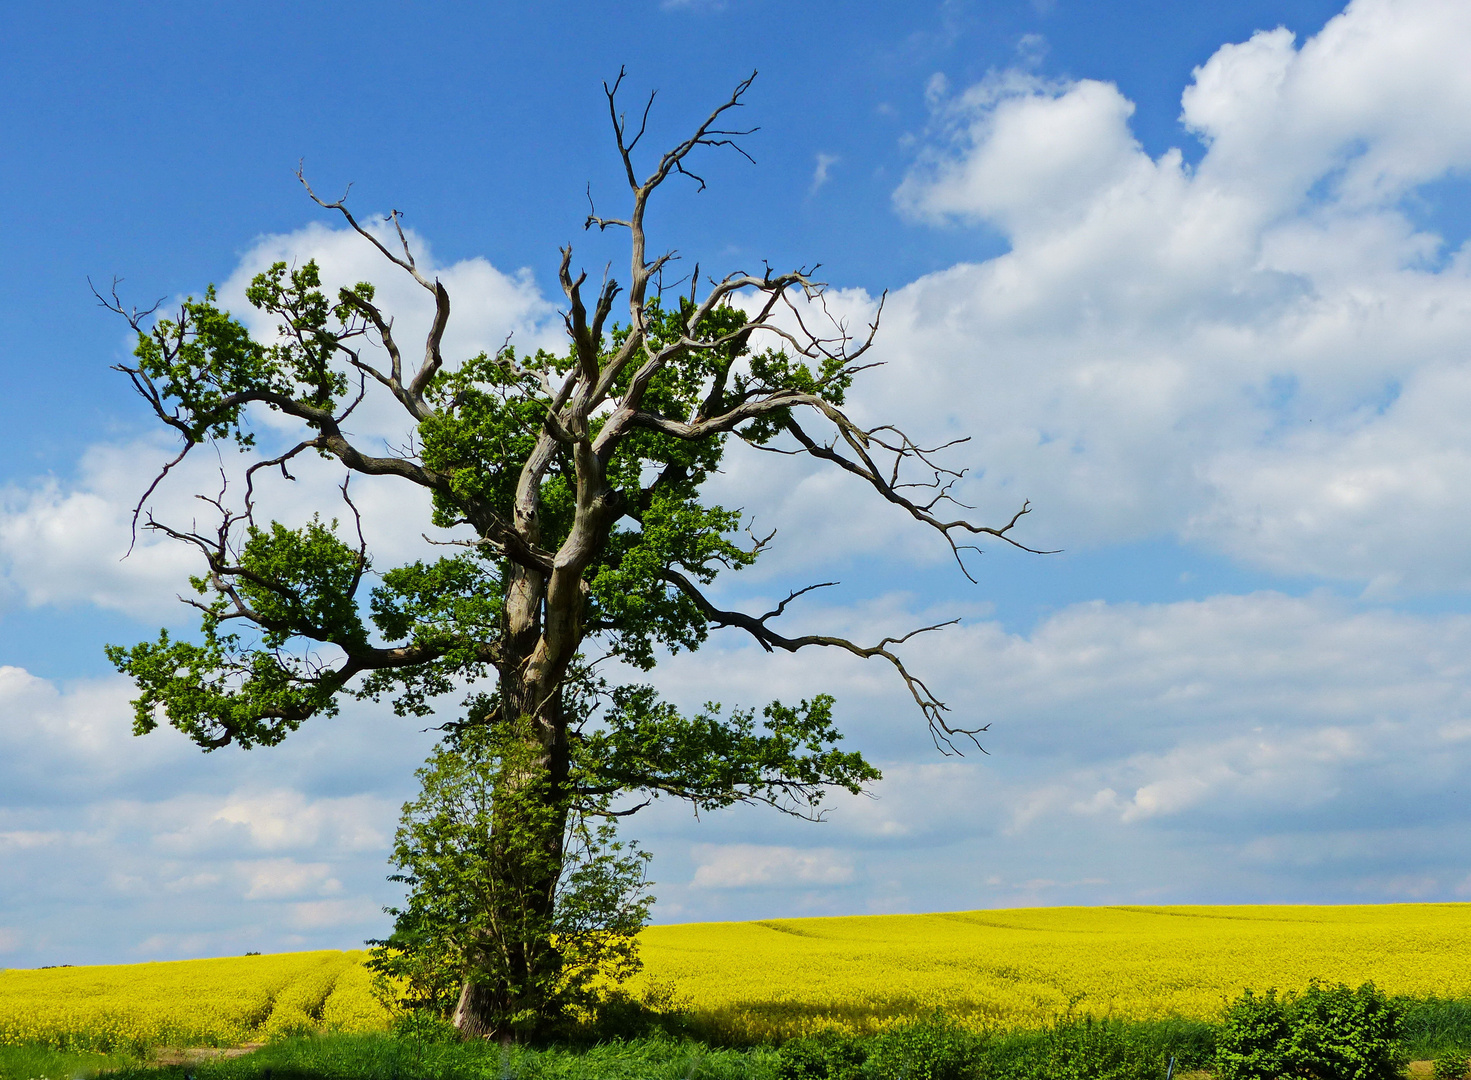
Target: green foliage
{"type": "Point", "coordinates": [488, 414]}
{"type": "Point", "coordinates": [1073, 1048]}
{"type": "Point", "coordinates": [1192, 1043]}
{"type": "Point", "coordinates": [675, 532]}
{"type": "Point", "coordinates": [1325, 1033]}
{"type": "Point", "coordinates": [1343, 1034]}
{"type": "Point", "coordinates": [44, 1063]}
{"type": "Point", "coordinates": [216, 690]}
{"type": "Point", "coordinates": [1254, 1038]}
{"type": "Point", "coordinates": [714, 761]}
{"type": "Point", "coordinates": [297, 582]}
{"type": "Point", "coordinates": [935, 1050]}
{"type": "Point", "coordinates": [492, 900]}
{"type": "Point", "coordinates": [301, 579]}
{"type": "Point", "coordinates": [207, 364]}
{"type": "Point", "coordinates": [827, 1056]}
{"type": "Point", "coordinates": [1451, 1067]}
{"type": "Point", "coordinates": [424, 1026]}
{"type": "Point", "coordinates": [448, 608]}
{"type": "Point", "coordinates": [1434, 1027]}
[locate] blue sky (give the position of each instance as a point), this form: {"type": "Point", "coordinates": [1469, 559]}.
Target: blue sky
{"type": "Point", "coordinates": [1193, 276]}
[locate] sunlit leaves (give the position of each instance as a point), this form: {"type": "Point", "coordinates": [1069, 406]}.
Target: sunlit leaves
{"type": "Point", "coordinates": [302, 583]}
{"type": "Point", "coordinates": [306, 346]}
{"type": "Point", "coordinates": [489, 413]}
{"type": "Point", "coordinates": [633, 604]}
{"type": "Point", "coordinates": [450, 608]}
{"type": "Point", "coordinates": [208, 367]}
{"type": "Point", "coordinates": [298, 584]}
{"type": "Point", "coordinates": [455, 598]}
{"type": "Point", "coordinates": [219, 692]}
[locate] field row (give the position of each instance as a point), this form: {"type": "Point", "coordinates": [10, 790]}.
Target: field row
{"type": "Point", "coordinates": [219, 1002]}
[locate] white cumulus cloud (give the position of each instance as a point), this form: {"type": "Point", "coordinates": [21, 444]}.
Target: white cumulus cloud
{"type": "Point", "coordinates": [1261, 354]}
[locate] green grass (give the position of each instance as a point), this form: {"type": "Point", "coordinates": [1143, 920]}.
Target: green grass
{"type": "Point", "coordinates": [42, 1063]}
{"type": "Point", "coordinates": [1435, 1026]}
{"type": "Point", "coordinates": [384, 1057]}
{"type": "Point", "coordinates": [1432, 1028]}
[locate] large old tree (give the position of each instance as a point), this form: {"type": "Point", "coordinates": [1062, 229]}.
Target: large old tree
{"type": "Point", "coordinates": [568, 488]}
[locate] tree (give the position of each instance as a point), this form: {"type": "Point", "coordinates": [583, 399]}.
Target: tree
{"type": "Point", "coordinates": [578, 480]}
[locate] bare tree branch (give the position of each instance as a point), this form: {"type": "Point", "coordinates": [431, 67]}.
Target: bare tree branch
{"type": "Point", "coordinates": [942, 732]}
{"type": "Point", "coordinates": [433, 359]}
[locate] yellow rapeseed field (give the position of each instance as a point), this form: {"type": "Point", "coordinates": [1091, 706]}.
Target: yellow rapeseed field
{"type": "Point", "coordinates": [1013, 968]}
{"type": "Point", "coordinates": [1021, 967]}
{"type": "Point", "coordinates": [188, 1002]}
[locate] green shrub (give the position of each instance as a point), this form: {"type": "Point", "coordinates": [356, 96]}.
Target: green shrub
{"type": "Point", "coordinates": [821, 1057]}
{"type": "Point", "coordinates": [1343, 1034]}
{"type": "Point", "coordinates": [931, 1050]}
{"type": "Point", "coordinates": [1085, 1049]}
{"type": "Point", "coordinates": [1451, 1067]}
{"type": "Point", "coordinates": [1323, 1033]}
{"type": "Point", "coordinates": [1252, 1044]}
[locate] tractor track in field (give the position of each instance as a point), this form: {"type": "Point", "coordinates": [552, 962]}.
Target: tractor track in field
{"type": "Point", "coordinates": [192, 1055]}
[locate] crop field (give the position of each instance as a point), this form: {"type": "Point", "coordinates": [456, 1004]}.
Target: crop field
{"type": "Point", "coordinates": [1021, 967]}
{"type": "Point", "coordinates": [219, 1002]}
{"type": "Point", "coordinates": [756, 980]}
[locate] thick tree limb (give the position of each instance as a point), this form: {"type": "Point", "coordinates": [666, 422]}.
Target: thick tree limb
{"type": "Point", "coordinates": [934, 710]}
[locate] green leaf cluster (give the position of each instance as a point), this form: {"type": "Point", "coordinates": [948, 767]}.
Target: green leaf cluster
{"type": "Point", "coordinates": [713, 761]}
{"type": "Point", "coordinates": [1070, 1048]}
{"type": "Point", "coordinates": [299, 584]}
{"type": "Point", "coordinates": [1322, 1033]}
{"type": "Point", "coordinates": [207, 365]}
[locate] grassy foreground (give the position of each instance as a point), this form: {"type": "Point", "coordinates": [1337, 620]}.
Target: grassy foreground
{"type": "Point", "coordinates": [383, 1057]}
{"type": "Point", "coordinates": [926, 1050]}
{"type": "Point", "coordinates": [44, 1063]}
{"type": "Point", "coordinates": [933, 1049]}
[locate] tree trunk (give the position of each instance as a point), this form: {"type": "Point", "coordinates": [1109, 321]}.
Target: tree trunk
{"type": "Point", "coordinates": [476, 1011]}
{"type": "Point", "coordinates": [511, 992]}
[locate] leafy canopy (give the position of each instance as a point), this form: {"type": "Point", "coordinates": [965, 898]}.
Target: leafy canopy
{"type": "Point", "coordinates": [285, 624]}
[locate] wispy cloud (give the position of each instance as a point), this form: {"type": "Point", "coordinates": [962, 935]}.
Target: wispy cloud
{"type": "Point", "coordinates": [823, 170]}
{"type": "Point", "coordinates": [1031, 50]}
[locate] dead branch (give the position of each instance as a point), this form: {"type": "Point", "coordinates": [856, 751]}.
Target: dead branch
{"type": "Point", "coordinates": [941, 731]}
